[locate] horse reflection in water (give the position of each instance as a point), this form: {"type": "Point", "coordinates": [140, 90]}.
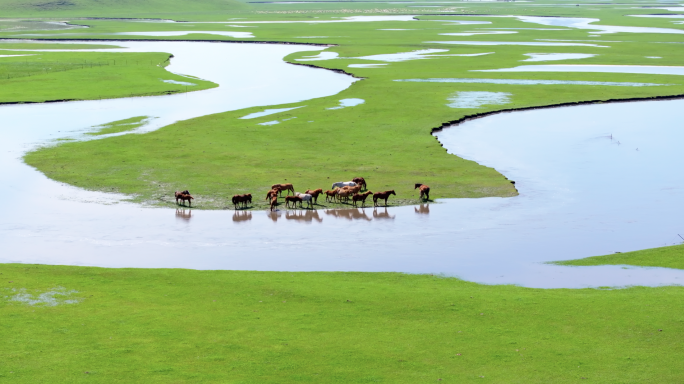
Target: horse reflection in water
{"type": "Point", "coordinates": [349, 214]}
{"type": "Point", "coordinates": [183, 214]}
{"type": "Point", "coordinates": [424, 209]}
{"type": "Point", "coordinates": [239, 216]}
{"type": "Point", "coordinates": [306, 216]}
{"type": "Point", "coordinates": [382, 215]}
{"type": "Point", "coordinates": [274, 216]}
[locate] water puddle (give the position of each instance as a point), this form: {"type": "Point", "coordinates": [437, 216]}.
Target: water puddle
{"type": "Point", "coordinates": [320, 56]}
{"type": "Point", "coordinates": [642, 69]}
{"type": "Point", "coordinates": [348, 19]}
{"type": "Point", "coordinates": [28, 25]}
{"type": "Point", "coordinates": [52, 298]}
{"type": "Point", "coordinates": [477, 99]}
{"type": "Point", "coordinates": [531, 43]}
{"type": "Point", "coordinates": [660, 16]}
{"type": "Point", "coordinates": [478, 33]}
{"type": "Point", "coordinates": [529, 82]}
{"type": "Point", "coordinates": [415, 55]}
{"type": "Point", "coordinates": [267, 112]}
{"type": "Point", "coordinates": [557, 56]}
{"type": "Point", "coordinates": [586, 23]}
{"type": "Point", "coordinates": [272, 122]}
{"type": "Point", "coordinates": [366, 65]}
{"type": "Point", "coordinates": [344, 103]}
{"type": "Point", "coordinates": [178, 82]}
{"type": "Point", "coordinates": [236, 35]}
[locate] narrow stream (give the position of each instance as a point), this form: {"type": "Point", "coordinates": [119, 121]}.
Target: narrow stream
{"type": "Point", "coordinates": [592, 179]}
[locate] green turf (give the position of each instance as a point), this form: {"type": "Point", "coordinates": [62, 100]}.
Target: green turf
{"type": "Point", "coordinates": [48, 76]}
{"type": "Point", "coordinates": [667, 257]}
{"type": "Point", "coordinates": [161, 326]}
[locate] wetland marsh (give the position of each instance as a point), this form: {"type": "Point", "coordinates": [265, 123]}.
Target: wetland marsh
{"type": "Point", "coordinates": [156, 292]}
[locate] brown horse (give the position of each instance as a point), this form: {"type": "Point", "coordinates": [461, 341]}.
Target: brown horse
{"type": "Point", "coordinates": [314, 193]}
{"type": "Point", "coordinates": [284, 187]}
{"type": "Point", "coordinates": [271, 193]}
{"type": "Point", "coordinates": [382, 196]}
{"type": "Point", "coordinates": [424, 191]}
{"type": "Point", "coordinates": [360, 181]}
{"type": "Point", "coordinates": [293, 199]}
{"type": "Point", "coordinates": [183, 197]}
{"type": "Point", "coordinates": [343, 193]}
{"type": "Point", "coordinates": [274, 202]}
{"type": "Point", "coordinates": [361, 197]}
{"type": "Point", "coordinates": [242, 200]}
{"type": "Point", "coordinates": [330, 195]}
{"type": "Point", "coordinates": [178, 194]}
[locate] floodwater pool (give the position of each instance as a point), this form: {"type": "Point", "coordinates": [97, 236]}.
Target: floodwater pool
{"type": "Point", "coordinates": [593, 180]}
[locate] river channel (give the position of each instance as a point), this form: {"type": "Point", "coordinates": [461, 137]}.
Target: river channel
{"type": "Point", "coordinates": [593, 180]}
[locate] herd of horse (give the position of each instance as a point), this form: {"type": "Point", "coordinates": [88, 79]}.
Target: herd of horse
{"type": "Point", "coordinates": [341, 192]}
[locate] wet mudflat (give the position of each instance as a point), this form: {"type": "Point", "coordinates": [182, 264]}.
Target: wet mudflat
{"type": "Point", "coordinates": [593, 180]}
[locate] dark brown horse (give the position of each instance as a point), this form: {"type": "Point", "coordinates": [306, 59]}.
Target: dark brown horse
{"type": "Point", "coordinates": [382, 196]}
{"type": "Point", "coordinates": [360, 181]}
{"type": "Point", "coordinates": [424, 191]}
{"type": "Point", "coordinates": [314, 193]}
{"type": "Point", "coordinates": [283, 187]}
{"type": "Point", "coordinates": [293, 199]}
{"type": "Point", "coordinates": [361, 197]}
{"type": "Point", "coordinates": [274, 202]}
{"type": "Point", "coordinates": [183, 198]}
{"type": "Point", "coordinates": [242, 200]}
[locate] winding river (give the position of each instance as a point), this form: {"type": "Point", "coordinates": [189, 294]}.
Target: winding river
{"type": "Point", "coordinates": [593, 180]}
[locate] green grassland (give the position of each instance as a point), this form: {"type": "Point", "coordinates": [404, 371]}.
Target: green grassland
{"type": "Point", "coordinates": [666, 257]}
{"type": "Point", "coordinates": [48, 76]}
{"type": "Point", "coordinates": [386, 140]}
{"type": "Point", "coordinates": [161, 326]}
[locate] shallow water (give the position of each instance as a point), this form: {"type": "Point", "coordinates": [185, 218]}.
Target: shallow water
{"type": "Point", "coordinates": [531, 43]}
{"type": "Point", "coordinates": [477, 99]}
{"type": "Point", "coordinates": [267, 112]}
{"type": "Point", "coordinates": [586, 23]}
{"type": "Point", "coordinates": [320, 56]}
{"type": "Point", "coordinates": [366, 65]}
{"type": "Point", "coordinates": [582, 192]}
{"type": "Point", "coordinates": [415, 55]}
{"type": "Point", "coordinates": [644, 69]}
{"type": "Point", "coordinates": [557, 56]}
{"type": "Point", "coordinates": [529, 82]}
{"type": "Point", "coordinates": [344, 103]}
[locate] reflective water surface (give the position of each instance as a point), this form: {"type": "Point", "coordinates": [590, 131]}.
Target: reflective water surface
{"type": "Point", "coordinates": [592, 180]}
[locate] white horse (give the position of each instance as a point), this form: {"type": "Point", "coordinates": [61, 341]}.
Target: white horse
{"type": "Point", "coordinates": [341, 184]}
{"type": "Point", "coordinates": [305, 197]}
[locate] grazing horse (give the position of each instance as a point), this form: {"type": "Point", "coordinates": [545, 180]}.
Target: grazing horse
{"type": "Point", "coordinates": [242, 200]}
{"type": "Point", "coordinates": [274, 202]}
{"type": "Point", "coordinates": [271, 193]}
{"type": "Point", "coordinates": [330, 195]}
{"type": "Point", "coordinates": [424, 191]}
{"type": "Point", "coordinates": [293, 199]}
{"type": "Point", "coordinates": [314, 193]}
{"type": "Point", "coordinates": [284, 187]}
{"type": "Point", "coordinates": [179, 194]}
{"type": "Point", "coordinates": [382, 196]}
{"type": "Point", "coordinates": [183, 197]}
{"type": "Point", "coordinates": [360, 181]}
{"type": "Point", "coordinates": [361, 197]}
{"type": "Point", "coordinates": [341, 184]}
{"type": "Point", "coordinates": [305, 197]}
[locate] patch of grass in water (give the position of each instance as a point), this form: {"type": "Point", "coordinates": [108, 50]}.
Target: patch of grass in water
{"type": "Point", "coordinates": [120, 126]}
{"type": "Point", "coordinates": [666, 257]}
